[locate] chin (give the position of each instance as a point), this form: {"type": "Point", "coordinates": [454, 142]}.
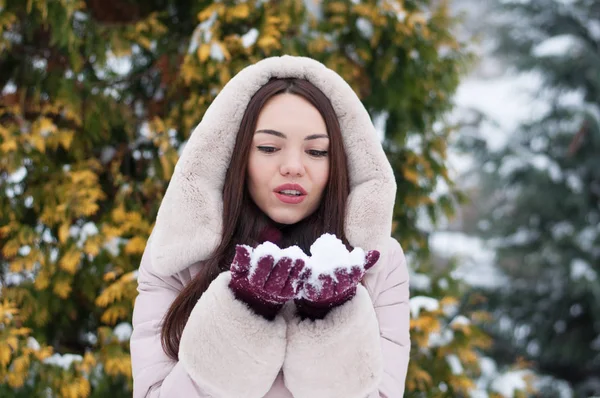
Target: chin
{"type": "Point", "coordinates": [286, 219]}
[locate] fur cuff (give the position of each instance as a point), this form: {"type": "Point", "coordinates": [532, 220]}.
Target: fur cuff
{"type": "Point", "coordinates": [338, 356]}
{"type": "Point", "coordinates": [228, 349]}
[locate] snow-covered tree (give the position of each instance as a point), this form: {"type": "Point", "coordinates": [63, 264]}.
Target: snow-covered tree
{"type": "Point", "coordinates": [540, 196]}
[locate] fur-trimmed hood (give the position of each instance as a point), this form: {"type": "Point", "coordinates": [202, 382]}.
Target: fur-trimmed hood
{"type": "Point", "coordinates": [189, 221]}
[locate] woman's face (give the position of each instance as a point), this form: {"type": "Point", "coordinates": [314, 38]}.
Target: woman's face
{"type": "Point", "coordinates": [288, 166]}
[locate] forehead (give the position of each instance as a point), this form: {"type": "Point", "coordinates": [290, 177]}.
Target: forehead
{"type": "Point", "coordinates": [291, 114]}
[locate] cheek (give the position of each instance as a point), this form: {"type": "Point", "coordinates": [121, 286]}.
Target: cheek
{"type": "Point", "coordinates": [258, 170]}
{"type": "Point", "coordinates": [253, 174]}
{"type": "Point", "coordinates": [322, 175]}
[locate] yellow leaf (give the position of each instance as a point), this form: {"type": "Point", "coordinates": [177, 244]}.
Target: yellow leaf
{"type": "Point", "coordinates": [268, 41]}
{"type": "Point", "coordinates": [9, 145]}
{"type": "Point", "coordinates": [141, 27]}
{"type": "Point", "coordinates": [224, 76]}
{"type": "Point", "coordinates": [136, 245]}
{"type": "Point", "coordinates": [144, 42]}
{"type": "Point", "coordinates": [70, 261]}
{"type": "Point", "coordinates": [113, 314]}
{"type": "Point", "coordinates": [84, 387]}
{"type": "Point", "coordinates": [62, 288]}
{"type": "Point", "coordinates": [110, 276]}
{"type": "Point", "coordinates": [120, 365]}
{"type": "Point", "coordinates": [4, 354]}
{"type": "Point", "coordinates": [46, 126]}
{"type": "Point", "coordinates": [240, 11]}
{"type": "Point", "coordinates": [16, 380]}
{"type": "Point", "coordinates": [273, 20]}
{"type": "Point", "coordinates": [21, 364]}
{"type": "Point", "coordinates": [167, 167]}
{"type": "Point", "coordinates": [203, 52]}
{"type": "Point", "coordinates": [11, 248]}
{"type": "Point", "coordinates": [337, 7]}
{"type": "Point", "coordinates": [130, 276]}
{"type": "Point", "coordinates": [39, 143]}
{"type": "Point", "coordinates": [43, 353]}
{"type": "Point", "coordinates": [12, 342]}
{"type": "Point", "coordinates": [206, 13]}
{"type": "Point", "coordinates": [83, 177]}
{"type": "Point", "coordinates": [17, 265]}
{"type": "Point", "coordinates": [411, 175]}
{"type": "Point", "coordinates": [20, 331]}
{"type": "Point", "coordinates": [88, 362]}
{"type": "Point", "coordinates": [92, 246]}
{"type": "Point", "coordinates": [66, 138]}
{"type": "Point", "coordinates": [448, 301]}
{"type": "Point", "coordinates": [63, 232]}
{"type": "Point", "coordinates": [41, 281]}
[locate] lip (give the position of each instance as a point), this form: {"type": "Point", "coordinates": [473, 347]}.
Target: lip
{"type": "Point", "coordinates": [290, 199]}
{"type": "Point", "coordinates": [294, 187]}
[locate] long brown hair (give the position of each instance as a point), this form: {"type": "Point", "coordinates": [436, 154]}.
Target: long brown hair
{"type": "Point", "coordinates": [243, 222]}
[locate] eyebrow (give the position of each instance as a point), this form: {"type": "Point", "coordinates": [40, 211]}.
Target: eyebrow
{"type": "Point", "coordinates": [281, 135]}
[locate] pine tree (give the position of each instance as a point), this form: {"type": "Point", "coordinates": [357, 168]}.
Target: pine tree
{"type": "Point", "coordinates": [540, 202]}
{"type": "Point", "coordinates": [98, 98]}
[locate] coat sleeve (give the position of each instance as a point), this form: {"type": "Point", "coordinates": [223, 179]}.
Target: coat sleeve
{"type": "Point", "coordinates": [360, 349]}
{"type": "Point", "coordinates": [393, 313]}
{"type": "Point", "coordinates": [226, 350]}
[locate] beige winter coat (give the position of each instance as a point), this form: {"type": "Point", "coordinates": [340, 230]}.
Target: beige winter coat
{"type": "Point", "coordinates": [228, 351]}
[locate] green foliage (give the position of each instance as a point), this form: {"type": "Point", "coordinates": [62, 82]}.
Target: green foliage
{"type": "Point", "coordinates": [97, 100]}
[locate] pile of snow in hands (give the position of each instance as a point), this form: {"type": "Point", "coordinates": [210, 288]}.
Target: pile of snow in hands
{"type": "Point", "coordinates": [328, 254]}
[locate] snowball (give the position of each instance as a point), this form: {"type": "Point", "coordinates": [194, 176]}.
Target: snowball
{"type": "Point", "coordinates": [328, 254]}
{"type": "Point", "coordinates": [271, 249]}
{"type": "Point", "coordinates": [421, 302]}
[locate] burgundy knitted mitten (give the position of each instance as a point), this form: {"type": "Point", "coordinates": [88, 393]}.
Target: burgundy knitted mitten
{"type": "Point", "coordinates": [267, 286]}
{"type": "Point", "coordinates": [324, 292]}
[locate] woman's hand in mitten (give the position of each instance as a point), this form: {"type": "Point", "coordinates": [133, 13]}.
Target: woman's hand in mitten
{"type": "Point", "coordinates": [320, 293]}
{"type": "Point", "coordinates": [266, 286]}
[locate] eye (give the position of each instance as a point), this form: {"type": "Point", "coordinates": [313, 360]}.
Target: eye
{"type": "Point", "coordinates": [267, 149]}
{"type": "Point", "coordinates": [316, 153]}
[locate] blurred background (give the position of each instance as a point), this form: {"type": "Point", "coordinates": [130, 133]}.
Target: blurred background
{"type": "Point", "coordinates": [489, 112]}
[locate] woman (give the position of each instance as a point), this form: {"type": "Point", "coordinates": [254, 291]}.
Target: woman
{"type": "Point", "coordinates": [285, 153]}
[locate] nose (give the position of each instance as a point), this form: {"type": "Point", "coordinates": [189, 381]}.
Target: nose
{"type": "Point", "coordinates": [292, 165]}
